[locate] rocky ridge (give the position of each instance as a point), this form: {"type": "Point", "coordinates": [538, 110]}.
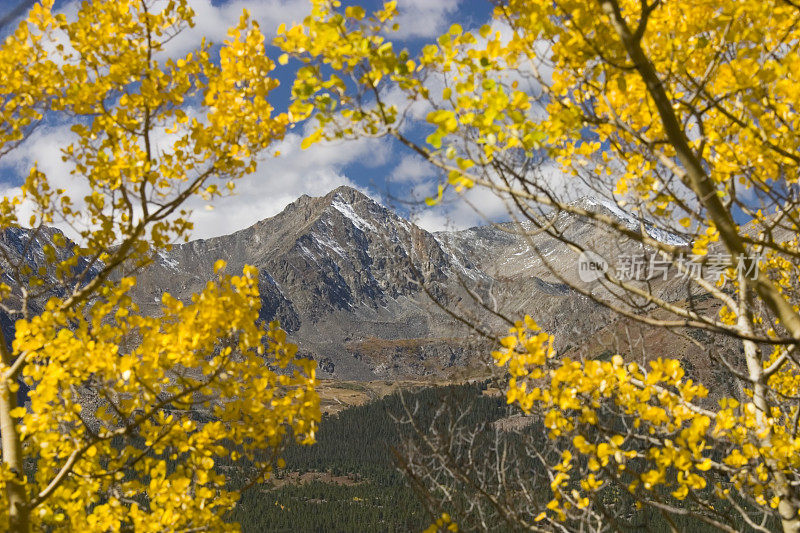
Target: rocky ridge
{"type": "Point", "coordinates": [364, 291]}
{"type": "Point", "coordinates": [367, 293]}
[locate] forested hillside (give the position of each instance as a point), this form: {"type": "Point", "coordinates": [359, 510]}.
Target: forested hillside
{"type": "Point", "coordinates": [356, 443]}
{"type": "Point", "coordinates": [349, 481]}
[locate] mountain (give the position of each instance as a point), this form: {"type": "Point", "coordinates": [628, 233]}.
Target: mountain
{"type": "Point", "coordinates": [368, 294]}
{"type": "Point", "coordinates": [345, 276]}
{"type": "Point", "coordinates": [353, 284]}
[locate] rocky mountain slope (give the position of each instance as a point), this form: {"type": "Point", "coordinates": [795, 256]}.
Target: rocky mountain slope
{"type": "Point", "coordinates": [361, 289]}
{"type": "Point", "coordinates": [343, 275]}
{"type": "Point", "coordinates": [368, 294]}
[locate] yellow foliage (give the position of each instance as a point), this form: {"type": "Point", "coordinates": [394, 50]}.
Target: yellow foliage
{"type": "Point", "coordinates": [683, 108]}
{"type": "Point", "coordinates": [683, 439]}
{"type": "Point", "coordinates": [130, 415]}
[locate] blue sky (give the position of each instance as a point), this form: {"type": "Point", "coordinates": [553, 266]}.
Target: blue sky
{"type": "Point", "coordinates": [382, 168]}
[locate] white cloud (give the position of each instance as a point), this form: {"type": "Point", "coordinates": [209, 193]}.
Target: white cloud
{"type": "Point", "coordinates": [479, 205]}
{"type": "Point", "coordinates": [417, 18]}
{"type": "Point", "coordinates": [43, 147]}
{"type": "Point", "coordinates": [281, 180]}
{"type": "Point", "coordinates": [214, 21]}
{"type": "Point", "coordinates": [424, 18]}
{"type": "Point", "coordinates": [475, 207]}
{"type": "Point", "coordinates": [277, 182]}
{"type": "Point", "coordinates": [412, 169]}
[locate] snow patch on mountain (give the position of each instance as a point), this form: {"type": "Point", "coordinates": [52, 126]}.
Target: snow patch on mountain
{"type": "Point", "coordinates": [633, 223]}
{"type": "Point", "coordinates": [456, 262]}
{"type": "Point", "coordinates": [347, 210]}
{"type": "Point", "coordinates": [331, 244]}
{"type": "Point", "coordinates": [168, 261]}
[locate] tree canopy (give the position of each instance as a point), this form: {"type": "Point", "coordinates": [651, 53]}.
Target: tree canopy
{"type": "Point", "coordinates": [685, 115]}
{"type": "Point", "coordinates": [125, 415]}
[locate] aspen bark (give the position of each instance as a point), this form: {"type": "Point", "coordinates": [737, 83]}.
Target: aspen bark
{"type": "Point", "coordinates": [16, 495]}
{"type": "Point", "coordinates": [705, 190]}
